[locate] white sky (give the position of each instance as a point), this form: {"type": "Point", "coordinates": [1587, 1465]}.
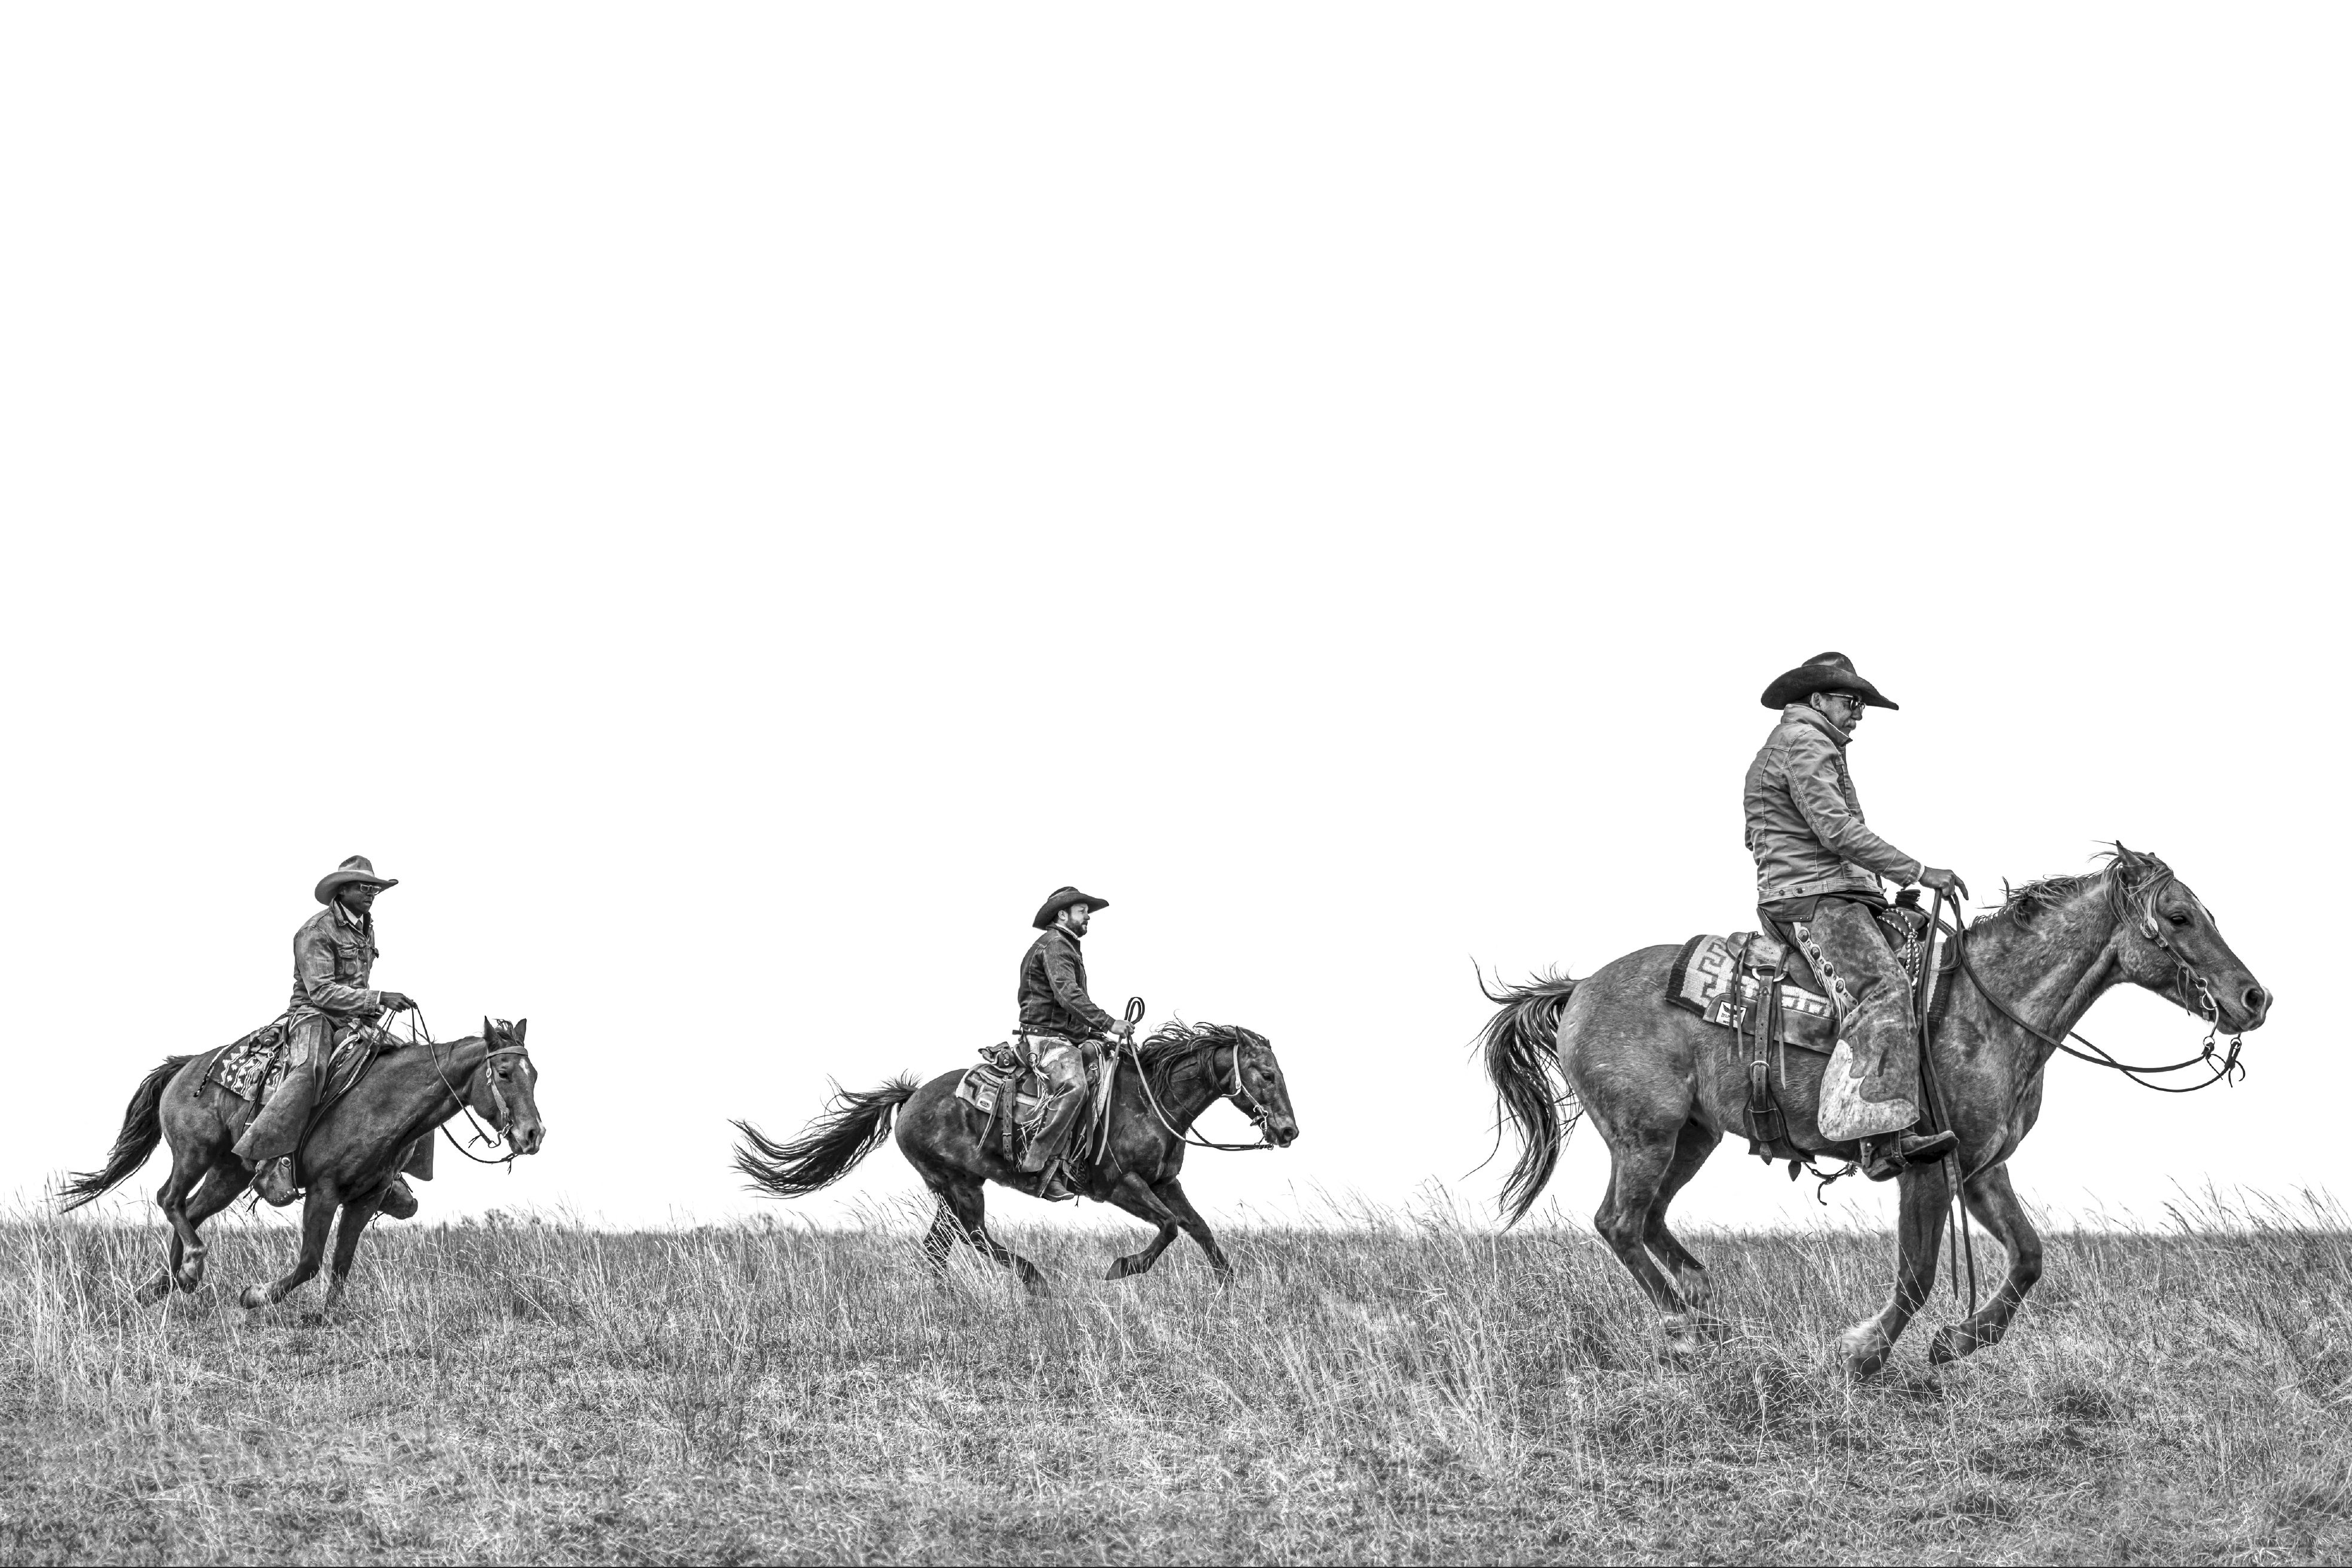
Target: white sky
{"type": "Point", "coordinates": [733, 505]}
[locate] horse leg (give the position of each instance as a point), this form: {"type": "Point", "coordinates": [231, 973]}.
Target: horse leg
{"type": "Point", "coordinates": [1926, 1192]}
{"type": "Point", "coordinates": [1136, 1199]}
{"type": "Point", "coordinates": [970, 1210]}
{"type": "Point", "coordinates": [1171, 1193]}
{"type": "Point", "coordinates": [347, 1244]}
{"type": "Point", "coordinates": [1994, 1203]}
{"type": "Point", "coordinates": [1692, 1150]}
{"type": "Point", "coordinates": [318, 1214]}
{"type": "Point", "coordinates": [171, 1198]}
{"type": "Point", "coordinates": [1636, 1171]}
{"type": "Point", "coordinates": [219, 1189]}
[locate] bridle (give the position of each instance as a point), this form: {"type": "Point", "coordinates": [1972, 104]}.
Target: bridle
{"type": "Point", "coordinates": [491, 1136]}
{"type": "Point", "coordinates": [1237, 1091]}
{"type": "Point", "coordinates": [2187, 980]}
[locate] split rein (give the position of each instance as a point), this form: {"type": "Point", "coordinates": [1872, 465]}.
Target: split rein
{"type": "Point", "coordinates": [491, 1137]}
{"type": "Point", "coordinates": [1255, 1110]}
{"type": "Point", "coordinates": [2225, 1066]}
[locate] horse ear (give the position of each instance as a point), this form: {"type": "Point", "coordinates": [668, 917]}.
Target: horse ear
{"type": "Point", "coordinates": [488, 1032]}
{"type": "Point", "coordinates": [520, 1024]}
{"type": "Point", "coordinates": [2127, 860]}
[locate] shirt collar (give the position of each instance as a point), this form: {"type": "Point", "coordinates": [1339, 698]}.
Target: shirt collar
{"type": "Point", "coordinates": [1806, 714]}
{"type": "Point", "coordinates": [343, 913]}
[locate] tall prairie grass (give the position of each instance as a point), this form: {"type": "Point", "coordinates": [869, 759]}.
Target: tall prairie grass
{"type": "Point", "coordinates": [1399, 1387]}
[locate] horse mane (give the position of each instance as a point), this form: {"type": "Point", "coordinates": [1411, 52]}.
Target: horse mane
{"type": "Point", "coordinates": [1177, 1050]}
{"type": "Point", "coordinates": [2028, 899]}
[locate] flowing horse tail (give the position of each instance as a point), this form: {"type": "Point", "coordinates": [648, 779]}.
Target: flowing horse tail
{"type": "Point", "coordinates": [142, 1129]}
{"type": "Point", "coordinates": [1521, 1048]}
{"type": "Point", "coordinates": [853, 1129]}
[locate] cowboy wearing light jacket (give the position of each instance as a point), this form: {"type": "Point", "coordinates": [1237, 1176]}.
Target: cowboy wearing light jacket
{"type": "Point", "coordinates": [1818, 870]}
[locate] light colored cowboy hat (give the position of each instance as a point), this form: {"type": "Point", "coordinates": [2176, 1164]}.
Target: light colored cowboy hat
{"type": "Point", "coordinates": [1823, 672]}
{"type": "Point", "coordinates": [358, 869]}
{"type": "Point", "coordinates": [1062, 898]}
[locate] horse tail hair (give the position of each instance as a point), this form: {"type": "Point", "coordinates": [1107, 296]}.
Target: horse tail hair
{"type": "Point", "coordinates": [142, 1129]}
{"type": "Point", "coordinates": [1531, 1090]}
{"type": "Point", "coordinates": [851, 1128]}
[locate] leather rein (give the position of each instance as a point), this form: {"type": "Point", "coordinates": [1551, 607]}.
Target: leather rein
{"type": "Point", "coordinates": [1255, 1110]}
{"type": "Point", "coordinates": [2225, 1066]}
{"type": "Point", "coordinates": [491, 1136]}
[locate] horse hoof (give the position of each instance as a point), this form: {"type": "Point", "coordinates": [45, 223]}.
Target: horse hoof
{"type": "Point", "coordinates": [1863, 1352]}
{"type": "Point", "coordinates": [254, 1296]}
{"type": "Point", "coordinates": [1951, 1342]}
{"type": "Point", "coordinates": [1121, 1268]}
{"type": "Point", "coordinates": [154, 1291]}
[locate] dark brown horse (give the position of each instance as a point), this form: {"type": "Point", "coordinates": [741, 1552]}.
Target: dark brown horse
{"type": "Point", "coordinates": [354, 1147]}
{"type": "Point", "coordinates": [1186, 1069]}
{"type": "Point", "coordinates": [1664, 1087]}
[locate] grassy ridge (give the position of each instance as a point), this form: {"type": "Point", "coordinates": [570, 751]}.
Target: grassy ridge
{"type": "Point", "coordinates": [1398, 1390]}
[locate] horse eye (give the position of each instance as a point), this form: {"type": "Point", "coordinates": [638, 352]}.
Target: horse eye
{"type": "Point", "coordinates": [2178, 920]}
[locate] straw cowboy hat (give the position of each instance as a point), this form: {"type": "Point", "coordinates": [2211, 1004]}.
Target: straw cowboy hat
{"type": "Point", "coordinates": [358, 869]}
{"type": "Point", "coordinates": [1823, 672]}
{"type": "Point", "coordinates": [1062, 898]}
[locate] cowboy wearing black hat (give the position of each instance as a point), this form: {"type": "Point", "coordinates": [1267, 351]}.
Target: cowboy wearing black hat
{"type": "Point", "coordinates": [1818, 867]}
{"type": "Point", "coordinates": [1060, 1025]}
{"type": "Point", "coordinates": [333, 954]}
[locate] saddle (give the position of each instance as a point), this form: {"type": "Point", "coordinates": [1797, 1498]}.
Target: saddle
{"type": "Point", "coordinates": [251, 1068]}
{"type": "Point", "coordinates": [1005, 1087]}
{"type": "Point", "coordinates": [1761, 986]}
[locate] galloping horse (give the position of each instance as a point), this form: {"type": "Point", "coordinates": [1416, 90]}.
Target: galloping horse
{"type": "Point", "coordinates": [1185, 1068]}
{"type": "Point", "coordinates": [353, 1150]}
{"type": "Point", "coordinates": [1663, 1086]}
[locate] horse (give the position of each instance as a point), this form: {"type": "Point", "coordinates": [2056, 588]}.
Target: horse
{"type": "Point", "coordinates": [352, 1150]}
{"type": "Point", "coordinates": [1185, 1068]}
{"type": "Point", "coordinates": [1663, 1086]}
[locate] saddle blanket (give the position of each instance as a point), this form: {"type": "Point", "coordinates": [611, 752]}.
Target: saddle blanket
{"type": "Point", "coordinates": [1701, 982]}
{"type": "Point", "coordinates": [252, 1067]}
{"type": "Point", "coordinates": [1003, 1084]}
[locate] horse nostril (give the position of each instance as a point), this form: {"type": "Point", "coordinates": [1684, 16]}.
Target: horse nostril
{"type": "Point", "coordinates": [2255, 997]}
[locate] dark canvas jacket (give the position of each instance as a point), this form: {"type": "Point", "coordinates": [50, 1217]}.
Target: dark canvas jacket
{"type": "Point", "coordinates": [332, 960]}
{"type": "Point", "coordinates": [1804, 820]}
{"type": "Point", "coordinates": [1053, 999]}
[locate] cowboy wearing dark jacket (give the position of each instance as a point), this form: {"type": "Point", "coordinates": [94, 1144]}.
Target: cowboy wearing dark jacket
{"type": "Point", "coordinates": [1818, 870]}
{"type": "Point", "coordinates": [334, 952]}
{"type": "Point", "coordinates": [1059, 1022]}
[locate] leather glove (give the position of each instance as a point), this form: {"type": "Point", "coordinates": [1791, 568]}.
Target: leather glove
{"type": "Point", "coordinates": [1942, 881]}
{"type": "Point", "coordinates": [396, 1000]}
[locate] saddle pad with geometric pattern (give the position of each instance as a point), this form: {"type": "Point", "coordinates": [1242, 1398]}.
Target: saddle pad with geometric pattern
{"type": "Point", "coordinates": [1701, 982]}
{"type": "Point", "coordinates": [246, 1068]}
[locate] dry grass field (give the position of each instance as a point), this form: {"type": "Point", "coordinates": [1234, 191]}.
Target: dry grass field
{"type": "Point", "coordinates": [1391, 1390]}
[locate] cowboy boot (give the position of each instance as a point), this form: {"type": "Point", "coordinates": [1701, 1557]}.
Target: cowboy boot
{"type": "Point", "coordinates": [397, 1200]}
{"type": "Point", "coordinates": [1883, 1159]}
{"type": "Point", "coordinates": [275, 1182]}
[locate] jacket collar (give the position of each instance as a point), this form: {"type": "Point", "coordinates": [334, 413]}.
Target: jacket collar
{"type": "Point", "coordinates": [1806, 714]}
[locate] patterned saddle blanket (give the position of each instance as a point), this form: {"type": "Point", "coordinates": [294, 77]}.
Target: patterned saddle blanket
{"type": "Point", "coordinates": [1710, 979]}
{"type": "Point", "coordinates": [254, 1066]}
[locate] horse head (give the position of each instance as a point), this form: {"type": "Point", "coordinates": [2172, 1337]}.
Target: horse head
{"type": "Point", "coordinates": [1258, 1090]}
{"type": "Point", "coordinates": [504, 1091]}
{"type": "Point", "coordinates": [2169, 943]}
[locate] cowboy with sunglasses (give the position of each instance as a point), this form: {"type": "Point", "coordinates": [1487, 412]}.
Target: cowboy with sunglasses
{"type": "Point", "coordinates": [1817, 868]}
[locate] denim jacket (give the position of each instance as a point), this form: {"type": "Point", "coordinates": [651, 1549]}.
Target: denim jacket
{"type": "Point", "coordinates": [1804, 820]}
{"type": "Point", "coordinates": [332, 958]}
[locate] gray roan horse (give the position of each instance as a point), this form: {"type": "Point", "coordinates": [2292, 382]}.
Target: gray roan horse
{"type": "Point", "coordinates": [353, 1149]}
{"type": "Point", "coordinates": [1663, 1087]}
{"type": "Point", "coordinates": [1186, 1069]}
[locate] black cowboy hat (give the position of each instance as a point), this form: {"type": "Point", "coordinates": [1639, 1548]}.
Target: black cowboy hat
{"type": "Point", "coordinates": [358, 869]}
{"type": "Point", "coordinates": [1823, 672]}
{"type": "Point", "coordinates": [1062, 900]}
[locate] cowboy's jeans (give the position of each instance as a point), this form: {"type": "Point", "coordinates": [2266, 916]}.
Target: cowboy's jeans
{"type": "Point", "coordinates": [1063, 1063]}
{"type": "Point", "coordinates": [311, 1040]}
{"type": "Point", "coordinates": [1872, 1086]}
